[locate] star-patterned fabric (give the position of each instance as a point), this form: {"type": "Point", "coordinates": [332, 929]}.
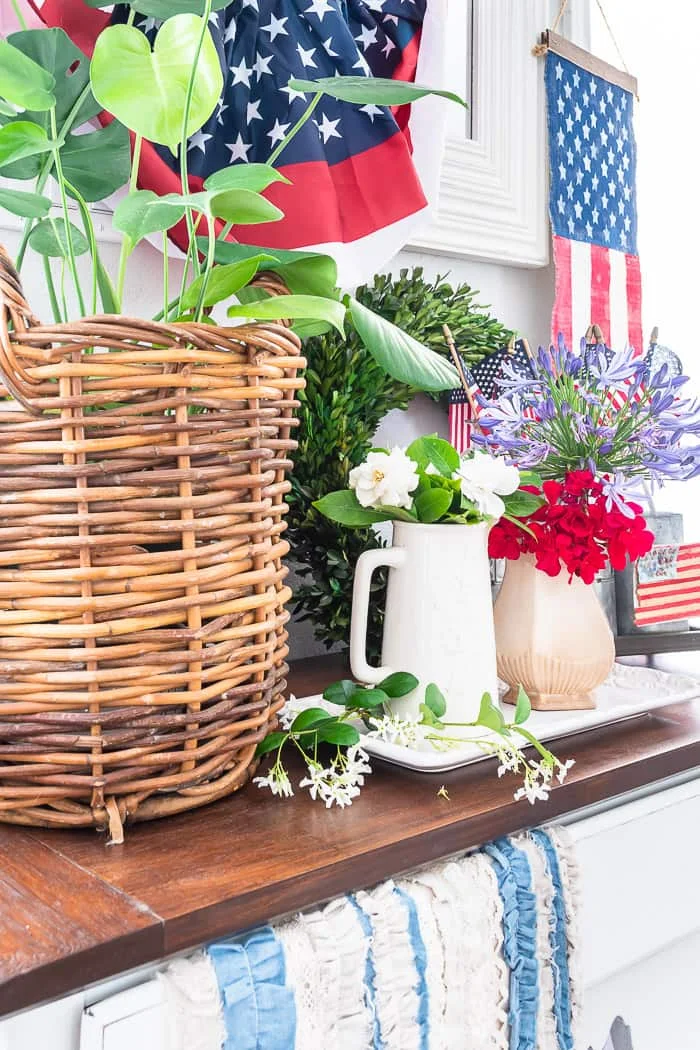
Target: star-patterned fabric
{"type": "Point", "coordinates": [592, 205]}
{"type": "Point", "coordinates": [351, 166]}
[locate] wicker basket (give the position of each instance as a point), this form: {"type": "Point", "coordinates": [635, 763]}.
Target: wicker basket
{"type": "Point", "coordinates": [142, 634]}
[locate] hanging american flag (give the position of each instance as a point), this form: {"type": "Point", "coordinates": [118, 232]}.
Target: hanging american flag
{"type": "Point", "coordinates": [667, 584]}
{"type": "Point", "coordinates": [360, 174]}
{"type": "Point", "coordinates": [592, 205]}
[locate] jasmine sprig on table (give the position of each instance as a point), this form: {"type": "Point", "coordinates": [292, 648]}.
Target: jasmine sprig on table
{"type": "Point", "coordinates": [339, 781]}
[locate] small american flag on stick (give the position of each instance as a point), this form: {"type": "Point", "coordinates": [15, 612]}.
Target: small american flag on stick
{"type": "Point", "coordinates": [463, 405]}
{"type": "Point", "coordinates": [667, 584]}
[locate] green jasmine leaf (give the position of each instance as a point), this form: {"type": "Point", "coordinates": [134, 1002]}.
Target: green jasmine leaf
{"type": "Point", "coordinates": [368, 698]}
{"type": "Point", "coordinates": [365, 90]}
{"type": "Point", "coordinates": [344, 508]}
{"type": "Point", "coordinates": [340, 692]}
{"type": "Point", "coordinates": [307, 718]}
{"type": "Point", "coordinates": [339, 733]}
{"type": "Point", "coordinates": [429, 718]}
{"type": "Point", "coordinates": [399, 354]}
{"type": "Point", "coordinates": [399, 684]}
{"type": "Point", "coordinates": [435, 700]}
{"type": "Point", "coordinates": [432, 505]}
{"type": "Point", "coordinates": [523, 707]}
{"type": "Point", "coordinates": [271, 743]}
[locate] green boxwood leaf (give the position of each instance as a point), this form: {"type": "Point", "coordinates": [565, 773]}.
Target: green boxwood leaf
{"type": "Point", "coordinates": [430, 506]}
{"type": "Point", "coordinates": [339, 692]}
{"type": "Point", "coordinates": [523, 708]}
{"type": "Point", "coordinates": [49, 238]}
{"type": "Point", "coordinates": [307, 718]}
{"type": "Point", "coordinates": [344, 508]}
{"type": "Point", "coordinates": [339, 733]}
{"type": "Point", "coordinates": [224, 281]}
{"type": "Point", "coordinates": [28, 205]}
{"type": "Point", "coordinates": [435, 700]}
{"type": "Point", "coordinates": [97, 163]}
{"type": "Point", "coordinates": [147, 90]}
{"type": "Point", "coordinates": [490, 715]}
{"type": "Point", "coordinates": [375, 90]}
{"type": "Point", "coordinates": [277, 307]}
{"type": "Point", "coordinates": [256, 177]}
{"type": "Point", "coordinates": [399, 354]}
{"type": "Point", "coordinates": [20, 139]}
{"type": "Point", "coordinates": [398, 684]}
{"type": "Point", "coordinates": [271, 742]}
{"type": "Point", "coordinates": [24, 82]}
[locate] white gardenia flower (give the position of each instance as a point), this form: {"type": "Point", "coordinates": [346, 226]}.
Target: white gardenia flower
{"type": "Point", "coordinates": [385, 479]}
{"type": "Point", "coordinates": [484, 479]}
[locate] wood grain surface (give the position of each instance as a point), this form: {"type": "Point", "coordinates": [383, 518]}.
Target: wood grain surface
{"type": "Point", "coordinates": [74, 911]}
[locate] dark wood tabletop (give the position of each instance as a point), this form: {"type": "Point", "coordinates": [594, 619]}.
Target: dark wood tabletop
{"type": "Point", "coordinates": [74, 910]}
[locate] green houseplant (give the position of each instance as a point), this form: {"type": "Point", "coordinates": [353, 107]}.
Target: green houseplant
{"type": "Point", "coordinates": [145, 591]}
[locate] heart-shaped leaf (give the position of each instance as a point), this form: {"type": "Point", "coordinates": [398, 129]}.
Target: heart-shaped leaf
{"type": "Point", "coordinates": [490, 716]}
{"type": "Point", "coordinates": [344, 508]}
{"type": "Point", "coordinates": [98, 163]}
{"type": "Point", "coordinates": [223, 283]}
{"type": "Point", "coordinates": [255, 177]}
{"type": "Point", "coordinates": [167, 8]}
{"type": "Point", "coordinates": [280, 307]}
{"type": "Point", "coordinates": [24, 82]}
{"type": "Point", "coordinates": [49, 238]}
{"type": "Point", "coordinates": [28, 205]}
{"type": "Point", "coordinates": [147, 90]}
{"type": "Point", "coordinates": [371, 90]}
{"type": "Point", "coordinates": [241, 207]}
{"type": "Point", "coordinates": [22, 139]}
{"type": "Point", "coordinates": [523, 707]}
{"type": "Point", "coordinates": [144, 212]}
{"type": "Point", "coordinates": [431, 505]}
{"type": "Point", "coordinates": [399, 354]}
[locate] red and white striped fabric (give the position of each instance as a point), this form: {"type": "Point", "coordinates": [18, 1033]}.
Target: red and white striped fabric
{"type": "Point", "coordinates": [667, 584]}
{"type": "Point", "coordinates": [596, 285]}
{"type": "Point", "coordinates": [460, 424]}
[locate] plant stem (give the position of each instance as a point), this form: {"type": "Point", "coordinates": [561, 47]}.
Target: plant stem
{"type": "Point", "coordinates": [46, 171]}
{"type": "Point", "coordinates": [166, 276]}
{"type": "Point", "coordinates": [225, 231]}
{"type": "Point", "coordinates": [132, 16]}
{"type": "Point", "coordinates": [126, 243]}
{"type": "Point", "coordinates": [191, 250]}
{"type": "Point", "coordinates": [63, 288]}
{"type": "Point", "coordinates": [297, 127]}
{"type": "Point", "coordinates": [92, 241]}
{"type": "Point", "coordinates": [18, 13]}
{"type": "Point", "coordinates": [66, 216]}
{"type": "Point", "coordinates": [184, 175]}
{"type": "Point", "coordinates": [51, 288]}
{"type": "Point", "coordinates": [211, 233]}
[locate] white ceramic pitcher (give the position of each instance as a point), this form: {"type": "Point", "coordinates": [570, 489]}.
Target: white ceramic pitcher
{"type": "Point", "coordinates": [439, 616]}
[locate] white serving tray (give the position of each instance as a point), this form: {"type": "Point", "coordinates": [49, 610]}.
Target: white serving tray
{"type": "Point", "coordinates": [628, 692]}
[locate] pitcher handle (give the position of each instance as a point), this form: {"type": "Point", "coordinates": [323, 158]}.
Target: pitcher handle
{"type": "Point", "coordinates": [394, 558]}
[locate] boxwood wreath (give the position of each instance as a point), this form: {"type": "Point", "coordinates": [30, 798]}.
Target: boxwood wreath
{"type": "Point", "coordinates": [347, 395]}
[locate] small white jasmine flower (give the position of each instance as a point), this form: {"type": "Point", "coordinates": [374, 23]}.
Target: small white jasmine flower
{"type": "Point", "coordinates": [532, 791]}
{"type": "Point", "coordinates": [289, 712]}
{"type": "Point", "coordinates": [385, 479]}
{"type": "Point", "coordinates": [277, 781]}
{"type": "Point", "coordinates": [484, 479]}
{"type": "Point", "coordinates": [564, 768]}
{"type": "Point", "coordinates": [395, 730]}
{"type": "Point", "coordinates": [316, 781]}
{"type": "Point", "coordinates": [509, 762]}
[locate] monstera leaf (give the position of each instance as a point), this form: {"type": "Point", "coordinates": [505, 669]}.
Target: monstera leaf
{"type": "Point", "coordinates": [22, 81]}
{"type": "Point", "coordinates": [147, 89]}
{"type": "Point", "coordinates": [95, 163]}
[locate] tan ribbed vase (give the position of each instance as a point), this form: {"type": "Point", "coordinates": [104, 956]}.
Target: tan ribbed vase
{"type": "Point", "coordinates": [552, 637]}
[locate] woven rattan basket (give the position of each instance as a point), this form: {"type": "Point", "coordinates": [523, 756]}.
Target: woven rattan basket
{"type": "Point", "coordinates": [142, 634]}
